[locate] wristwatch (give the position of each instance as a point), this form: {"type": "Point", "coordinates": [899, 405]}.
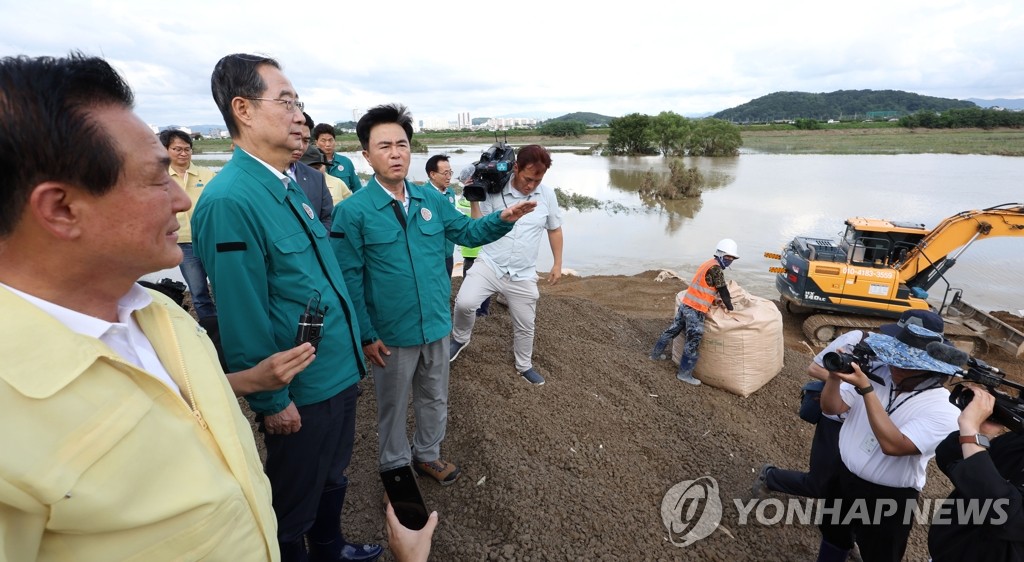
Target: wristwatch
{"type": "Point", "coordinates": [976, 439]}
{"type": "Point", "coordinates": [866, 390]}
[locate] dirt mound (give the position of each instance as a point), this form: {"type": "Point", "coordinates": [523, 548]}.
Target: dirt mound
{"type": "Point", "coordinates": [577, 469]}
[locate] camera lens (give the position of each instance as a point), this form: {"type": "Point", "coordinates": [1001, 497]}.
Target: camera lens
{"type": "Point", "coordinates": [838, 362]}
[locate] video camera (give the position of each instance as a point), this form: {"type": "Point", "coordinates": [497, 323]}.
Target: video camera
{"type": "Point", "coordinates": [839, 362]}
{"type": "Point", "coordinates": [1008, 409]}
{"type": "Point", "coordinates": [491, 172]}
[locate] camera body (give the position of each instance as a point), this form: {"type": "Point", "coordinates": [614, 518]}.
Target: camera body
{"type": "Point", "coordinates": [1008, 409]}
{"type": "Point", "coordinates": [491, 172]}
{"type": "Point", "coordinates": [838, 362]}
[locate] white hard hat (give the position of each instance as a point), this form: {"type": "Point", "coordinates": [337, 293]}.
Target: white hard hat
{"type": "Point", "coordinates": [727, 247]}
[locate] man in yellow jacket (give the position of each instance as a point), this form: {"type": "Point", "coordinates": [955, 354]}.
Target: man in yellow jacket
{"type": "Point", "coordinates": [122, 439]}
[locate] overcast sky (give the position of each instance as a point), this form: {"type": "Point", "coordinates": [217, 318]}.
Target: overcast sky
{"type": "Point", "coordinates": [529, 57]}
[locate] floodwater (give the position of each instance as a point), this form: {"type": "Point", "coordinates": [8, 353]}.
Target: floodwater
{"type": "Point", "coordinates": [763, 201]}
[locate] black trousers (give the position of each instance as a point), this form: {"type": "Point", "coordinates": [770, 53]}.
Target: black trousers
{"type": "Point", "coordinates": [304, 464]}
{"type": "Point", "coordinates": [824, 465]}
{"type": "Point", "coordinates": [879, 539]}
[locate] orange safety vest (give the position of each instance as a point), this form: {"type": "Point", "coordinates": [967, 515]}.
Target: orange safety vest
{"type": "Point", "coordinates": [700, 296]}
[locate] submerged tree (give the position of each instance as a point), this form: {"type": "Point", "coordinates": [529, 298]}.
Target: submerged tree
{"type": "Point", "coordinates": [670, 132]}
{"type": "Point", "coordinates": [630, 135]}
{"type": "Point", "coordinates": [714, 137]}
{"type": "Point", "coordinates": [682, 182]}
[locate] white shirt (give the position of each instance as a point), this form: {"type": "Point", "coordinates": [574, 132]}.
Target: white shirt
{"type": "Point", "coordinates": [515, 254]}
{"type": "Point", "coordinates": [124, 337]}
{"type": "Point", "coordinates": [405, 196]}
{"type": "Point", "coordinates": [926, 418]}
{"type": "Point", "coordinates": [284, 179]}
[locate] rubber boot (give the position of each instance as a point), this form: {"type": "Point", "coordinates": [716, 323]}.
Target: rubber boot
{"type": "Point", "coordinates": [829, 552]}
{"type": "Point", "coordinates": [686, 366]}
{"type": "Point", "coordinates": [212, 327]}
{"type": "Point", "coordinates": [326, 543]}
{"type": "Point", "coordinates": [294, 551]}
{"type": "Point", "coordinates": [658, 351]}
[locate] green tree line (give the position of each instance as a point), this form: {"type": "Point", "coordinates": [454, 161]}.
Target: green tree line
{"type": "Point", "coordinates": [964, 118]}
{"type": "Point", "coordinates": [671, 134]}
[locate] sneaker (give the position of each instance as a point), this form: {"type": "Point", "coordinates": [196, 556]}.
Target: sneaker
{"type": "Point", "coordinates": [532, 376]}
{"type": "Point", "coordinates": [454, 349]}
{"type": "Point", "coordinates": [351, 552]}
{"type": "Point", "coordinates": [688, 378]}
{"type": "Point", "coordinates": [760, 487]}
{"type": "Point", "coordinates": [658, 357]}
{"type": "Point", "coordinates": [444, 472]}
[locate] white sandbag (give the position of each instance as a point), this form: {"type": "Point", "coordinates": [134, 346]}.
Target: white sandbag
{"type": "Point", "coordinates": [741, 351]}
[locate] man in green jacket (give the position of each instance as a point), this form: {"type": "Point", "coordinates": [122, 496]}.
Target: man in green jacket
{"type": "Point", "coordinates": [390, 238]}
{"type": "Point", "coordinates": [339, 165]}
{"type": "Point", "coordinates": [269, 261]}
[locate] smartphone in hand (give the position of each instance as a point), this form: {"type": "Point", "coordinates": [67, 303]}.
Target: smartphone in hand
{"type": "Point", "coordinates": [404, 495]}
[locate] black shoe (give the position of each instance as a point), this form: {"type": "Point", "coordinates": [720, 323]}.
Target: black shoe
{"type": "Point", "coordinates": [760, 487]}
{"type": "Point", "coordinates": [360, 552]}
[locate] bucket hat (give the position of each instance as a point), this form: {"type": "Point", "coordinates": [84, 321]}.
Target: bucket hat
{"type": "Point", "coordinates": [924, 318]}
{"type": "Point", "coordinates": [907, 350]}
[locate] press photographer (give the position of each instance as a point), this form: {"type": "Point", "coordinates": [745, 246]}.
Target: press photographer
{"type": "Point", "coordinates": [890, 433]}
{"type": "Point", "coordinates": [985, 463]}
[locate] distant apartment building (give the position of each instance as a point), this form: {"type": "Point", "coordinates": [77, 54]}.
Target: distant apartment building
{"type": "Point", "coordinates": [500, 123]}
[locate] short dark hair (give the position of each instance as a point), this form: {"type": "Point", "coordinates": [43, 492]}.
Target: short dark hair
{"type": "Point", "coordinates": [433, 161]}
{"type": "Point", "coordinates": [237, 76]}
{"type": "Point", "coordinates": [166, 136]}
{"type": "Point", "coordinates": [309, 121]}
{"type": "Point", "coordinates": [380, 115]}
{"type": "Point", "coordinates": [323, 129]}
{"type": "Point", "coordinates": [46, 124]}
{"type": "Point", "coordinates": [533, 154]}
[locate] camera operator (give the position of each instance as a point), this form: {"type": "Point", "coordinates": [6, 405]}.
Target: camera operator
{"type": "Point", "coordinates": [890, 433]}
{"type": "Point", "coordinates": [510, 263]}
{"type": "Point", "coordinates": [982, 472]}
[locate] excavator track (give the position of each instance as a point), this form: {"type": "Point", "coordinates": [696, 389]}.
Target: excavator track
{"type": "Point", "coordinates": [821, 329]}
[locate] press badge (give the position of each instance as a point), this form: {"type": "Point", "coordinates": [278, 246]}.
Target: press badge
{"type": "Point", "coordinates": [869, 444]}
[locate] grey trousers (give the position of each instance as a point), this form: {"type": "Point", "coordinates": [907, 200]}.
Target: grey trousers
{"type": "Point", "coordinates": [480, 283]}
{"type": "Point", "coordinates": [423, 371]}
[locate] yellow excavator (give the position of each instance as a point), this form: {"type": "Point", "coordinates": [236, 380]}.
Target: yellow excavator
{"type": "Point", "coordinates": [881, 268]}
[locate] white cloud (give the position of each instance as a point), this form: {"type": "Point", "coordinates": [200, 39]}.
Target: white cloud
{"type": "Point", "coordinates": [532, 56]}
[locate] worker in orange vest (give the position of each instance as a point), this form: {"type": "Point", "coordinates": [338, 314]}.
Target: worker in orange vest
{"type": "Point", "coordinates": [707, 286]}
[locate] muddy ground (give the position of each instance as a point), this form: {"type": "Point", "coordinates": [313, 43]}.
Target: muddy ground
{"type": "Point", "coordinates": [577, 469]}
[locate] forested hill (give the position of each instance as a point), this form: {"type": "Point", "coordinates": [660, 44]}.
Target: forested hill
{"type": "Point", "coordinates": [833, 105]}
{"type": "Point", "coordinates": [583, 117]}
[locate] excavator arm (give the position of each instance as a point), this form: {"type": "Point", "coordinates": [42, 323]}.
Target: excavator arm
{"type": "Point", "coordinates": [937, 252]}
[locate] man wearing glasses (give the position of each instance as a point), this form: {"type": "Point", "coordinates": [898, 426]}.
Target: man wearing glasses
{"type": "Point", "coordinates": [270, 263]}
{"type": "Point", "coordinates": [192, 179]}
{"type": "Point", "coordinates": [439, 172]}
